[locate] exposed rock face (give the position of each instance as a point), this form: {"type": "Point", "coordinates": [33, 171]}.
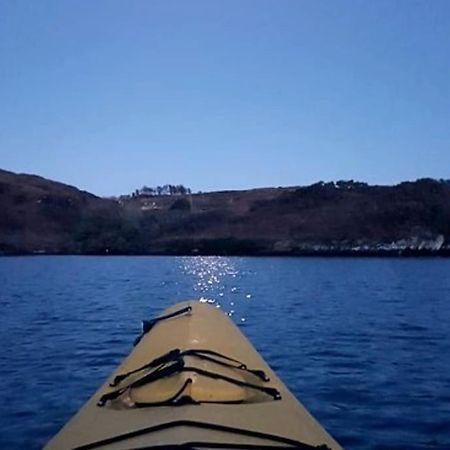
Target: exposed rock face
{"type": "Point", "coordinates": [42, 216]}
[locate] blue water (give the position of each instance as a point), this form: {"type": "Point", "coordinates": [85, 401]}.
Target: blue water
{"type": "Point", "coordinates": [363, 343]}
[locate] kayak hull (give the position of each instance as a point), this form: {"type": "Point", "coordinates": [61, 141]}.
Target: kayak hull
{"type": "Point", "coordinates": [222, 408]}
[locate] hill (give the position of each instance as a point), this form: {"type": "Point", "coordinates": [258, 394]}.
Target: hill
{"type": "Point", "coordinates": [43, 216]}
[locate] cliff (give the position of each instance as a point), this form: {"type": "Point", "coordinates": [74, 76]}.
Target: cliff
{"type": "Point", "coordinates": [43, 216]}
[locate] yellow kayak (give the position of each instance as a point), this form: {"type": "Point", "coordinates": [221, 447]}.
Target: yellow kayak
{"type": "Point", "coordinates": [192, 381]}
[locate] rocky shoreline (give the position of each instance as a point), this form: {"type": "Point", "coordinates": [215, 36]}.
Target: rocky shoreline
{"type": "Point", "coordinates": [231, 247]}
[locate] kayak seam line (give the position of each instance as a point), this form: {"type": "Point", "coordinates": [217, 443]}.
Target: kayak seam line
{"type": "Point", "coordinates": [204, 425]}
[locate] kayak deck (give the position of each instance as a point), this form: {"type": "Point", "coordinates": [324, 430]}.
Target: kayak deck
{"type": "Point", "coordinates": [192, 378]}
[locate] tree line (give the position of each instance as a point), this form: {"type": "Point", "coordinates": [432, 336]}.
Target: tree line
{"type": "Point", "coordinates": [167, 189]}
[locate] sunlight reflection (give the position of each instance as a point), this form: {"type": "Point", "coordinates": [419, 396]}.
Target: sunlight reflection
{"type": "Point", "coordinates": [215, 279]}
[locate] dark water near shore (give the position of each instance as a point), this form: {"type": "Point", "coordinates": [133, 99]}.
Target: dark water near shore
{"type": "Point", "coordinates": [363, 343]}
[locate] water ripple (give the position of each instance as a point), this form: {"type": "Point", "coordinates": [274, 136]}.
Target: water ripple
{"type": "Point", "coordinates": [364, 343]}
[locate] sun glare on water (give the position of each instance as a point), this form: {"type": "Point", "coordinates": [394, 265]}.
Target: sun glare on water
{"type": "Point", "coordinates": [216, 281]}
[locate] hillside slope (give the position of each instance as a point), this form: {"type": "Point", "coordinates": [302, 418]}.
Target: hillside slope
{"type": "Point", "coordinates": [43, 216]}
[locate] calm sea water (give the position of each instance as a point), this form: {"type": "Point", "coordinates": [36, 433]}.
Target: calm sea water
{"type": "Point", "coordinates": [363, 343]}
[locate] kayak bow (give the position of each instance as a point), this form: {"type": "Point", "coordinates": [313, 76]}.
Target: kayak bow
{"type": "Point", "coordinates": [192, 381]}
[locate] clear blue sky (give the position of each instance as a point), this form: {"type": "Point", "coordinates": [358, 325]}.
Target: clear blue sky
{"type": "Point", "coordinates": [111, 95]}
